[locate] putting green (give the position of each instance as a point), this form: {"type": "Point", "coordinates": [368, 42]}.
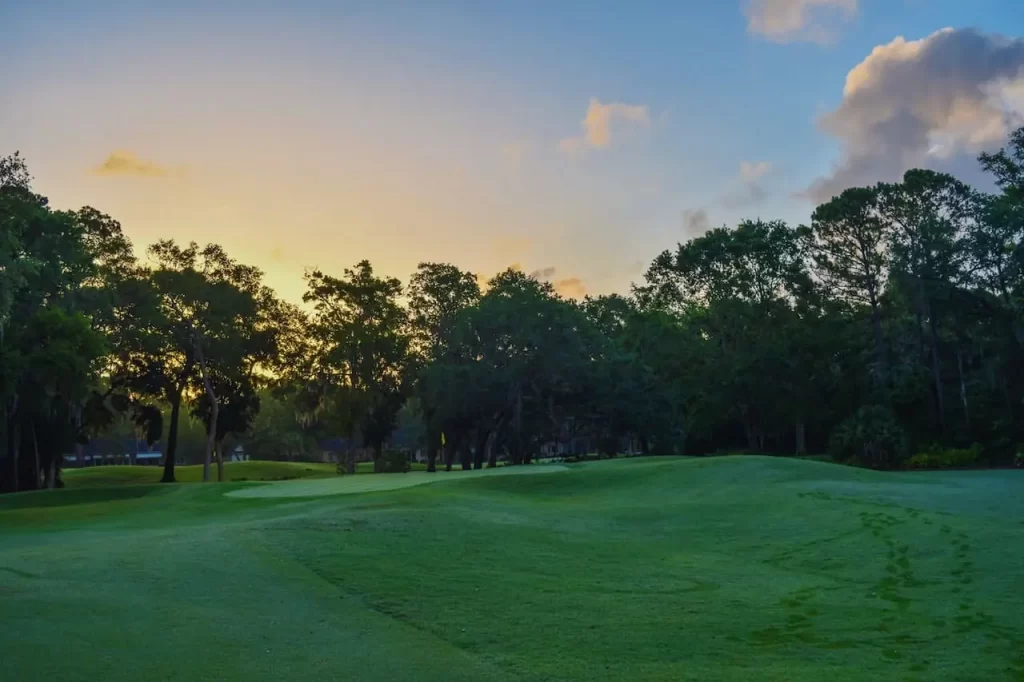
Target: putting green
{"type": "Point", "coordinates": [348, 485]}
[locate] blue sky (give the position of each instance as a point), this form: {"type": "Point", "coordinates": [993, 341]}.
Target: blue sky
{"type": "Point", "coordinates": [315, 134]}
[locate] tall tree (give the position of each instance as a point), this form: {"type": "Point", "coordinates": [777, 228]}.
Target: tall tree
{"type": "Point", "coordinates": [850, 252]}
{"type": "Point", "coordinates": [48, 350]}
{"type": "Point", "coordinates": [927, 215]}
{"type": "Point", "coordinates": [362, 349]}
{"type": "Point", "coordinates": [197, 304]}
{"type": "Point", "coordinates": [438, 294]}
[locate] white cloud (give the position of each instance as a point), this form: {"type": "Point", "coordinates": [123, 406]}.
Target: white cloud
{"type": "Point", "coordinates": [934, 102]}
{"type": "Point", "coordinates": [597, 125]}
{"type": "Point", "coordinates": [786, 21]}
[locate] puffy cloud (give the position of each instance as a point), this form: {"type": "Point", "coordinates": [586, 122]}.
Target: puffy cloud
{"type": "Point", "coordinates": [752, 170]}
{"type": "Point", "coordinates": [572, 287]}
{"type": "Point", "coordinates": [599, 119]}
{"type": "Point", "coordinates": [126, 163]}
{"type": "Point", "coordinates": [934, 102]}
{"type": "Point", "coordinates": [786, 21]}
{"type": "Point", "coordinates": [695, 222]}
{"type": "Point", "coordinates": [597, 125]}
{"type": "Point", "coordinates": [748, 190]}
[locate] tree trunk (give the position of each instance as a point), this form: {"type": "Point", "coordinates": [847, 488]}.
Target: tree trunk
{"type": "Point", "coordinates": [431, 456]}
{"type": "Point", "coordinates": [801, 438]}
{"type": "Point", "coordinates": [211, 429]}
{"type": "Point", "coordinates": [220, 461]}
{"type": "Point", "coordinates": [79, 447]}
{"type": "Point", "coordinates": [748, 428]}
{"type": "Point", "coordinates": [449, 452]}
{"type": "Point", "coordinates": [172, 440]}
{"type": "Point", "coordinates": [15, 448]}
{"type": "Point", "coordinates": [517, 427]}
{"type": "Point", "coordinates": [51, 472]}
{"type": "Point", "coordinates": [465, 458]}
{"type": "Point", "coordinates": [433, 439]}
{"type": "Point", "coordinates": [880, 354]}
{"type": "Point", "coordinates": [492, 440]}
{"type": "Point", "coordinates": [38, 477]}
{"type": "Point", "coordinates": [492, 453]}
{"type": "Point", "coordinates": [350, 461]}
{"type": "Point", "coordinates": [482, 436]}
{"type": "Point", "coordinates": [963, 386]}
{"type": "Point", "coordinates": [936, 368]}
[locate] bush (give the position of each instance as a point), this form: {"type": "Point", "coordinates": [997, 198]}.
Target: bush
{"type": "Point", "coordinates": [391, 462]}
{"type": "Point", "coordinates": [936, 457]}
{"type": "Point", "coordinates": [872, 437]}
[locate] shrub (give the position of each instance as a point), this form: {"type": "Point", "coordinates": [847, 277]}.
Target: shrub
{"type": "Point", "coordinates": [871, 437]}
{"type": "Point", "coordinates": [937, 457]}
{"type": "Point", "coordinates": [391, 462]}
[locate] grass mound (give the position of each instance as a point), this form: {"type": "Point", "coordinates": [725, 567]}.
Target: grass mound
{"type": "Point", "coordinates": [348, 485]}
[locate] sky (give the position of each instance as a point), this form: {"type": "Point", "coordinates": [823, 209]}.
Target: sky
{"type": "Point", "coordinates": [573, 139]}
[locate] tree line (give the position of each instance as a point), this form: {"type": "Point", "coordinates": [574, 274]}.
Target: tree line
{"type": "Point", "coordinates": [893, 323]}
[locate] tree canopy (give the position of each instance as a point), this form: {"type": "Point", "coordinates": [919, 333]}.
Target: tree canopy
{"type": "Point", "coordinates": [892, 323]}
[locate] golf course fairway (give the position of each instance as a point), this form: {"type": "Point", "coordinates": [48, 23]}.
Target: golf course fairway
{"type": "Point", "coordinates": [734, 568]}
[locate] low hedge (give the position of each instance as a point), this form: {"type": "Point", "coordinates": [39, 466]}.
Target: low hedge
{"type": "Point", "coordinates": [936, 457]}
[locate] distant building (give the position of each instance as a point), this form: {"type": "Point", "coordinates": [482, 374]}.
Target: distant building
{"type": "Point", "coordinates": [107, 451]}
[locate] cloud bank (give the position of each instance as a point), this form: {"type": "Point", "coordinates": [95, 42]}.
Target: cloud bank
{"type": "Point", "coordinates": [934, 103]}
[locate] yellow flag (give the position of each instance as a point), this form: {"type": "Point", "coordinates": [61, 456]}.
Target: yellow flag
{"type": "Point", "coordinates": [442, 439]}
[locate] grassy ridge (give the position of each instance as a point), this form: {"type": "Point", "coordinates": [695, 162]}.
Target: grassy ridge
{"type": "Point", "coordinates": [736, 568]}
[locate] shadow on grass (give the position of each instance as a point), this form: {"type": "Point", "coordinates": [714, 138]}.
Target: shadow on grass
{"type": "Point", "coordinates": [65, 498]}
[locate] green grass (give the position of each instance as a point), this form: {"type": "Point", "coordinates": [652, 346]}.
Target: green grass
{"type": "Point", "coordinates": [737, 568]}
{"type": "Point", "coordinates": [233, 471]}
